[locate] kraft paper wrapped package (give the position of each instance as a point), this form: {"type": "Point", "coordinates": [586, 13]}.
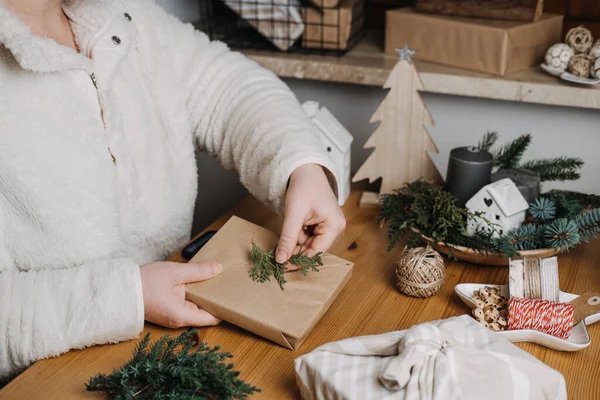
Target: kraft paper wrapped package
{"type": "Point", "coordinates": [455, 358]}
{"type": "Point", "coordinates": [489, 46]}
{"type": "Point", "coordinates": [286, 316]}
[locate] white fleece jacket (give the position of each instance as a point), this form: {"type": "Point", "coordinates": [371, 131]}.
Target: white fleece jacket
{"type": "Point", "coordinates": [96, 181]}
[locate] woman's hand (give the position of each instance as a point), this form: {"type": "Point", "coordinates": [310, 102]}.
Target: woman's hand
{"type": "Point", "coordinates": [309, 202]}
{"type": "Point", "coordinates": [163, 285]}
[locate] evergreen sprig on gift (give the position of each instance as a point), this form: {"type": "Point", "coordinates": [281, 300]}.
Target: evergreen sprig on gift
{"type": "Point", "coordinates": [264, 265]}
{"type": "Point", "coordinates": [174, 368]}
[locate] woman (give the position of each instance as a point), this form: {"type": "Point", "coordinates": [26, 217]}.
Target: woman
{"type": "Point", "coordinates": [101, 105]}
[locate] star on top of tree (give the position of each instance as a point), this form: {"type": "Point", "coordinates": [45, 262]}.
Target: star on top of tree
{"type": "Point", "coordinates": [406, 53]}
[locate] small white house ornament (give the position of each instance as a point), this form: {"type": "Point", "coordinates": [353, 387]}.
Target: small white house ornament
{"type": "Point", "coordinates": [501, 203]}
{"type": "Point", "coordinates": [337, 142]}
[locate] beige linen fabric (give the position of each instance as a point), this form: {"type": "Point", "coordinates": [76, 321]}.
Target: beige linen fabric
{"type": "Point", "coordinates": [456, 358]}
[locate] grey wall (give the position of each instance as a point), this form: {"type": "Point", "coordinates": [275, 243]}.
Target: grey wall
{"type": "Point", "coordinates": [459, 121]}
{"type": "Point", "coordinates": [462, 121]}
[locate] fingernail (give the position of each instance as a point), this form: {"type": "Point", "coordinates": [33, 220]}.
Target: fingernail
{"type": "Point", "coordinates": [281, 257]}
{"type": "Point", "coordinates": [217, 268]}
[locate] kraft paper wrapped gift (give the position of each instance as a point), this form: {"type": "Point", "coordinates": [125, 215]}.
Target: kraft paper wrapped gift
{"type": "Point", "coordinates": [283, 316]}
{"type": "Point", "coordinates": [491, 46]}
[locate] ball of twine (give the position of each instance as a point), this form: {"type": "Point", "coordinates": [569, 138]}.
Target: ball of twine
{"type": "Point", "coordinates": [580, 65]}
{"type": "Point", "coordinates": [420, 272]}
{"type": "Point", "coordinates": [580, 39]}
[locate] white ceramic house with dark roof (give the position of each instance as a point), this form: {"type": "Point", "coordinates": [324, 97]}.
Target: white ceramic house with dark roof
{"type": "Point", "coordinates": [336, 140]}
{"type": "Point", "coordinates": [501, 203]}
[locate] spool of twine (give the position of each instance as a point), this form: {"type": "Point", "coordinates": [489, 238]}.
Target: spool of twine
{"type": "Point", "coordinates": [420, 272]}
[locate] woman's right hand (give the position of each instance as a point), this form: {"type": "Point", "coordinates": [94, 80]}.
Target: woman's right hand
{"type": "Point", "coordinates": [163, 285]}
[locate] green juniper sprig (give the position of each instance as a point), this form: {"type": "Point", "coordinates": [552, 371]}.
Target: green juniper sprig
{"type": "Point", "coordinates": [160, 372]}
{"type": "Point", "coordinates": [264, 265]}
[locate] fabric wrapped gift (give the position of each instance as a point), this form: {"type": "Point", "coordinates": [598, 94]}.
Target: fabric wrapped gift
{"type": "Point", "coordinates": [456, 358]}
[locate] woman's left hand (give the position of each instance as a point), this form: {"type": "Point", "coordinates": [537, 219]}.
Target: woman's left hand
{"type": "Point", "coordinates": [309, 202]}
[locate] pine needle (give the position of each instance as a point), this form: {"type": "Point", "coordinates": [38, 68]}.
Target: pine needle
{"type": "Point", "coordinates": [264, 265]}
{"type": "Point", "coordinates": [488, 140]}
{"type": "Point", "coordinates": [556, 169]}
{"type": "Point", "coordinates": [509, 156]}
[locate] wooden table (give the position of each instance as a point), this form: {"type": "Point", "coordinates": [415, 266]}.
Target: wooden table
{"type": "Point", "coordinates": [369, 304]}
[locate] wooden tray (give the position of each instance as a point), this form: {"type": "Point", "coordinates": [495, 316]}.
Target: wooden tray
{"type": "Point", "coordinates": [495, 259]}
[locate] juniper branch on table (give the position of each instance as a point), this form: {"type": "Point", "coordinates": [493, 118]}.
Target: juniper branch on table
{"type": "Point", "coordinates": [264, 265]}
{"type": "Point", "coordinates": [162, 373]}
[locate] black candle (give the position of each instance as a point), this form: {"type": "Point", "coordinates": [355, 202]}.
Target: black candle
{"type": "Point", "coordinates": [527, 181]}
{"type": "Point", "coordinates": [469, 169]}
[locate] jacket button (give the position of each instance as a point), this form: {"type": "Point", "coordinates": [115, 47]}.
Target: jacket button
{"type": "Point", "coordinates": [127, 16]}
{"type": "Point", "coordinates": [116, 40]}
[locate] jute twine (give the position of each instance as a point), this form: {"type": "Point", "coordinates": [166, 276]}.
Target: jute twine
{"type": "Point", "coordinates": [420, 272]}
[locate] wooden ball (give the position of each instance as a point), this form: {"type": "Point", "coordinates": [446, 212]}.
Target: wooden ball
{"type": "Point", "coordinates": [580, 65]}
{"type": "Point", "coordinates": [420, 272]}
{"type": "Point", "coordinates": [580, 39]}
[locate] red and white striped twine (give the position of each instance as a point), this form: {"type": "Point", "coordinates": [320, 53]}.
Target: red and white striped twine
{"type": "Point", "coordinates": [550, 317]}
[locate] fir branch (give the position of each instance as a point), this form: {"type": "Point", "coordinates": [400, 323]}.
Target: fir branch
{"type": "Point", "coordinates": [561, 234]}
{"type": "Point", "coordinates": [543, 209]}
{"type": "Point", "coordinates": [556, 169]}
{"type": "Point", "coordinates": [526, 237]}
{"type": "Point", "coordinates": [159, 372]}
{"type": "Point", "coordinates": [509, 156]}
{"type": "Point", "coordinates": [584, 199]}
{"type": "Point", "coordinates": [589, 225]}
{"type": "Point", "coordinates": [264, 265]}
{"type": "Point", "coordinates": [488, 140]}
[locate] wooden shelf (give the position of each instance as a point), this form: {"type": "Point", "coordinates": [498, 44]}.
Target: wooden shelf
{"type": "Point", "coordinates": [367, 64]}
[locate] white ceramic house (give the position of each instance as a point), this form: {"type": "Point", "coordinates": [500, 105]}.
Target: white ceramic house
{"type": "Point", "coordinates": [501, 203]}
{"type": "Point", "coordinates": [336, 140]}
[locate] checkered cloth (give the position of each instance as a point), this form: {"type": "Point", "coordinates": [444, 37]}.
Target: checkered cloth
{"type": "Point", "coordinates": [456, 358]}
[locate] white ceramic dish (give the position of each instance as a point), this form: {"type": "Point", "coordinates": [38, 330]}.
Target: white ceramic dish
{"type": "Point", "coordinates": [578, 340]}
{"type": "Point", "coordinates": [552, 71]}
{"type": "Point", "coordinates": [577, 79]}
{"type": "Point", "coordinates": [569, 77]}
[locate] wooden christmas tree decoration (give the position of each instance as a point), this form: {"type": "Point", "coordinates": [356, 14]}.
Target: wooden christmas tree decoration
{"type": "Point", "coordinates": [401, 140]}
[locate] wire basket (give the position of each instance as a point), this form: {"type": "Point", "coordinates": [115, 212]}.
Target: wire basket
{"type": "Point", "coordinates": [284, 25]}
